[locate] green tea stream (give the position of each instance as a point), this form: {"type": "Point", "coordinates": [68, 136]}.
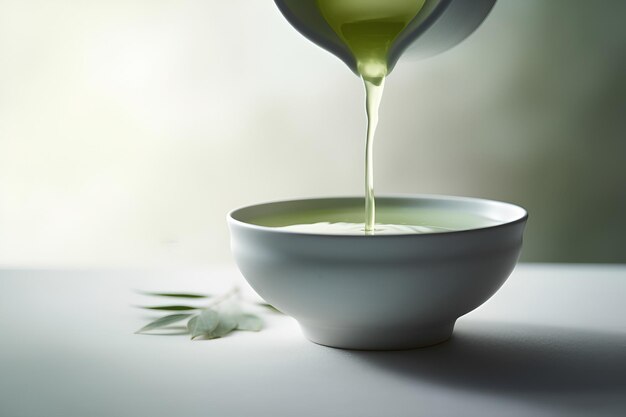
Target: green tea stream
{"type": "Point", "coordinates": [368, 28]}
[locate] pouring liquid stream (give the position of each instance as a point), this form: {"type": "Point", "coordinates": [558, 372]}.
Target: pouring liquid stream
{"type": "Point", "coordinates": [368, 28]}
{"type": "Point", "coordinates": [373, 96]}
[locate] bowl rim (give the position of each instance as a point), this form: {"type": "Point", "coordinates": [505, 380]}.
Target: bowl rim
{"type": "Point", "coordinates": [444, 197]}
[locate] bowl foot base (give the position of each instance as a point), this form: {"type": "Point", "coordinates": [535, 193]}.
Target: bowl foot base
{"type": "Point", "coordinates": [379, 339]}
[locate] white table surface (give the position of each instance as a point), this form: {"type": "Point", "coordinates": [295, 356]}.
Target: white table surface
{"type": "Point", "coordinates": [551, 342]}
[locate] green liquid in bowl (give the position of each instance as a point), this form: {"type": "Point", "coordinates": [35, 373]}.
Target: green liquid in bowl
{"type": "Point", "coordinates": [344, 216]}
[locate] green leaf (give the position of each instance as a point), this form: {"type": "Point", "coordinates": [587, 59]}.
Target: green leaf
{"type": "Point", "coordinates": [172, 308]}
{"type": "Point", "coordinates": [270, 307]}
{"type": "Point", "coordinates": [204, 323]}
{"type": "Point", "coordinates": [175, 294]}
{"type": "Point", "coordinates": [226, 321]}
{"type": "Point", "coordinates": [249, 322]}
{"type": "Point", "coordinates": [163, 321]}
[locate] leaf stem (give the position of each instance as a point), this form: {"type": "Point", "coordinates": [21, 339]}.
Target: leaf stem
{"type": "Point", "coordinates": [220, 299]}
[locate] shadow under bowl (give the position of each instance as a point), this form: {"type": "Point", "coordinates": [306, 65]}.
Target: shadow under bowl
{"type": "Point", "coordinates": [378, 292]}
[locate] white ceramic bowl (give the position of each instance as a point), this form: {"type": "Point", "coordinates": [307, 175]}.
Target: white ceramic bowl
{"type": "Point", "coordinates": [384, 291]}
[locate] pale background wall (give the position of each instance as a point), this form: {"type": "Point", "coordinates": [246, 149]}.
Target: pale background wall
{"type": "Point", "coordinates": [129, 128]}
